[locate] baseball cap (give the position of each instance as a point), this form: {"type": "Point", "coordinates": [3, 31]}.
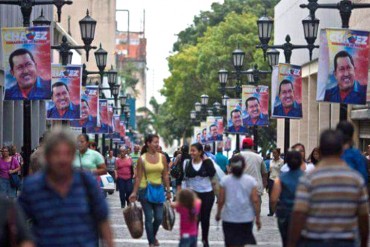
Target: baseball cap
{"type": "Point", "coordinates": [248, 142]}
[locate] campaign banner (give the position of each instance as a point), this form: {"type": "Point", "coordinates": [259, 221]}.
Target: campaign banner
{"type": "Point", "coordinates": [286, 91]}
{"type": "Point", "coordinates": [203, 136]}
{"type": "Point", "coordinates": [27, 63]}
{"type": "Point", "coordinates": [110, 118]}
{"type": "Point", "coordinates": [235, 117]}
{"type": "Point", "coordinates": [65, 93]}
{"type": "Point", "coordinates": [343, 66]}
{"type": "Point", "coordinates": [227, 144]}
{"type": "Point", "coordinates": [255, 106]}
{"type": "Point", "coordinates": [102, 126]}
{"type": "Point", "coordinates": [215, 129]}
{"type": "Point", "coordinates": [88, 109]}
{"type": "Point", "coordinates": [122, 130]}
{"type": "Point", "coordinates": [116, 127]}
{"type": "Point", "coordinates": [197, 135]}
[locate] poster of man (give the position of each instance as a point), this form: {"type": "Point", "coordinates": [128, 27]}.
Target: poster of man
{"type": "Point", "coordinates": [197, 135]}
{"type": "Point", "coordinates": [343, 66]}
{"type": "Point", "coordinates": [286, 100]}
{"type": "Point", "coordinates": [88, 109]}
{"type": "Point", "coordinates": [255, 105]}
{"type": "Point", "coordinates": [27, 63]}
{"type": "Point", "coordinates": [65, 93]}
{"type": "Point", "coordinates": [102, 127]}
{"type": "Point", "coordinates": [203, 137]}
{"type": "Point", "coordinates": [235, 117]}
{"type": "Point", "coordinates": [122, 130]}
{"type": "Point", "coordinates": [116, 127]}
{"type": "Point", "coordinates": [110, 118]}
{"type": "Point", "coordinates": [214, 129]}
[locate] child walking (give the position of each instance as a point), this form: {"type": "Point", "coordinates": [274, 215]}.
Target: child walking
{"type": "Point", "coordinates": [188, 206]}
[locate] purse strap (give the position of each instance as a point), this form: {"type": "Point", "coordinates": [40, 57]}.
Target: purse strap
{"type": "Point", "coordinates": [143, 159]}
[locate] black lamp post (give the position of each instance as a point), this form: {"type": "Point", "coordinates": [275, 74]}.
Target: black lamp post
{"type": "Point", "coordinates": [87, 28]}
{"type": "Point", "coordinates": [41, 20]}
{"type": "Point", "coordinates": [27, 5]}
{"type": "Point", "coordinates": [265, 25]}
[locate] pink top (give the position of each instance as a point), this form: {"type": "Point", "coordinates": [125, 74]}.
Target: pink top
{"type": "Point", "coordinates": [124, 168]}
{"type": "Point", "coordinates": [187, 226]}
{"type": "Point", "coordinates": [6, 166]}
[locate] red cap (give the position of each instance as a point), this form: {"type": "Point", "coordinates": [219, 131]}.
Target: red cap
{"type": "Point", "coordinates": [248, 142]}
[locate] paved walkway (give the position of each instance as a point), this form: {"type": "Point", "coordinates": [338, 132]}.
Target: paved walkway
{"type": "Point", "coordinates": [267, 236]}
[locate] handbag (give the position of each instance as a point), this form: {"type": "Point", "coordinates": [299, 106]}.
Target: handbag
{"type": "Point", "coordinates": [14, 180]}
{"type": "Point", "coordinates": [154, 192]}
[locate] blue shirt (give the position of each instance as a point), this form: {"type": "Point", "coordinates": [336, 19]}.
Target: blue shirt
{"type": "Point", "coordinates": [73, 112]}
{"type": "Point", "coordinates": [64, 221]}
{"type": "Point", "coordinates": [241, 129]}
{"type": "Point", "coordinates": [262, 120]}
{"type": "Point", "coordinates": [296, 111]}
{"type": "Point", "coordinates": [222, 161]}
{"type": "Point", "coordinates": [211, 156]}
{"type": "Point", "coordinates": [41, 90]}
{"type": "Point", "coordinates": [267, 163]}
{"type": "Point", "coordinates": [356, 96]}
{"type": "Point", "coordinates": [215, 138]}
{"type": "Point", "coordinates": [90, 123]}
{"type": "Point", "coordinates": [354, 158]}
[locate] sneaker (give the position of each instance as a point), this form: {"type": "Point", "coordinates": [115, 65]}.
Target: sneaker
{"type": "Point", "coordinates": [156, 243]}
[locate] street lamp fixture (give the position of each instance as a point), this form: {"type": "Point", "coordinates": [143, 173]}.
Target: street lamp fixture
{"type": "Point", "coordinates": [198, 107]}
{"type": "Point", "coordinates": [265, 25]}
{"type": "Point", "coordinates": [217, 106]}
{"type": "Point", "coordinates": [41, 20]}
{"type": "Point", "coordinates": [123, 100]}
{"type": "Point", "coordinates": [225, 98]}
{"type": "Point", "coordinates": [112, 77]}
{"type": "Point", "coordinates": [115, 90]}
{"type": "Point", "coordinates": [222, 76]}
{"type": "Point", "coordinates": [193, 115]}
{"type": "Point", "coordinates": [238, 58]}
{"type": "Point", "coordinates": [101, 56]}
{"type": "Point", "coordinates": [204, 100]}
{"type": "Point", "coordinates": [273, 57]}
{"type": "Point", "coordinates": [210, 113]}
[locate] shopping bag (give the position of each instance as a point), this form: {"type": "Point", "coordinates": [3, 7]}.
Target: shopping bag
{"type": "Point", "coordinates": [217, 178]}
{"type": "Point", "coordinates": [133, 216]}
{"type": "Point", "coordinates": [168, 216]}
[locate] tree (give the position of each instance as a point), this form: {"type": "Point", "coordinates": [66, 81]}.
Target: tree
{"type": "Point", "coordinates": [128, 74]}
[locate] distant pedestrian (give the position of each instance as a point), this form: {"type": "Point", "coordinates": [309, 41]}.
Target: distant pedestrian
{"type": "Point", "coordinates": [305, 166]}
{"type": "Point", "coordinates": [181, 160]}
{"type": "Point", "coordinates": [188, 206]}
{"type": "Point", "coordinates": [221, 160]}
{"type": "Point", "coordinates": [331, 204]}
{"type": "Point", "coordinates": [351, 155]}
{"type": "Point", "coordinates": [13, 226]}
{"type": "Point", "coordinates": [283, 193]}
{"type": "Point", "coordinates": [255, 166]}
{"type": "Point", "coordinates": [152, 169]}
{"type": "Point", "coordinates": [198, 174]}
{"type": "Point", "coordinates": [314, 157]}
{"type": "Point", "coordinates": [275, 165]}
{"type": "Point", "coordinates": [238, 205]}
{"type": "Point", "coordinates": [208, 152]}
{"type": "Point", "coordinates": [8, 165]}
{"type": "Point", "coordinates": [65, 205]}
{"type": "Point", "coordinates": [124, 174]}
{"type": "Point", "coordinates": [135, 156]}
{"type": "Point", "coordinates": [110, 162]}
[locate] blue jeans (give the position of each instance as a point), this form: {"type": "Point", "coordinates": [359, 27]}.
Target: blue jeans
{"type": "Point", "coordinates": [6, 189]}
{"type": "Point", "coordinates": [283, 224]}
{"type": "Point", "coordinates": [153, 216]}
{"type": "Point", "coordinates": [125, 189]}
{"type": "Point", "coordinates": [188, 242]}
{"type": "Point", "coordinates": [326, 243]}
{"type": "Point", "coordinates": [173, 186]}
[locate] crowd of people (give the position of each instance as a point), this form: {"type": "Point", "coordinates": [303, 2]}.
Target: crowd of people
{"type": "Point", "coordinates": [318, 201]}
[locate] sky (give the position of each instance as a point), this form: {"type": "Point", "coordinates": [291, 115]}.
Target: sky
{"type": "Point", "coordinates": [163, 20]}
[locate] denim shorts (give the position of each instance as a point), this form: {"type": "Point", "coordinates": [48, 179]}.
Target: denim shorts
{"type": "Point", "coordinates": [190, 241]}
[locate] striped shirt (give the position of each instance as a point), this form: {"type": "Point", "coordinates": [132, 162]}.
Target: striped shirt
{"type": "Point", "coordinates": [64, 221]}
{"type": "Point", "coordinates": [332, 196]}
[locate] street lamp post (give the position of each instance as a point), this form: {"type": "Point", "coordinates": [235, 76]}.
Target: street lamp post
{"type": "Point", "coordinates": [265, 25]}
{"type": "Point", "coordinates": [26, 9]}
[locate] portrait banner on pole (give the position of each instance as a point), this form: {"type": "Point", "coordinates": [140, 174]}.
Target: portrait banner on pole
{"type": "Point", "coordinates": [343, 66]}
{"type": "Point", "coordinates": [197, 135]}
{"type": "Point", "coordinates": [286, 91]}
{"type": "Point", "coordinates": [27, 63]}
{"type": "Point", "coordinates": [102, 127]}
{"type": "Point", "coordinates": [215, 129]}
{"type": "Point", "coordinates": [203, 136]}
{"type": "Point", "coordinates": [234, 117]}
{"type": "Point", "coordinates": [255, 106]}
{"type": "Point", "coordinates": [65, 93]}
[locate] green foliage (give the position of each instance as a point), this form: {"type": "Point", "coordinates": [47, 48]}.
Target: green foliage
{"type": "Point", "coordinates": [128, 74]}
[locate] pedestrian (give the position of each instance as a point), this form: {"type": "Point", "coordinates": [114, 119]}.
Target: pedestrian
{"type": "Point", "coordinates": [8, 165]}
{"type": "Point", "coordinates": [238, 205]}
{"type": "Point", "coordinates": [305, 166]}
{"type": "Point", "coordinates": [221, 160]}
{"type": "Point", "coordinates": [17, 156]}
{"type": "Point", "coordinates": [123, 174]}
{"type": "Point", "coordinates": [208, 152]}
{"type": "Point", "coordinates": [283, 193]}
{"type": "Point", "coordinates": [314, 157]}
{"type": "Point", "coordinates": [275, 165]}
{"type": "Point", "coordinates": [135, 156]}
{"type": "Point", "coordinates": [188, 206]}
{"type": "Point", "coordinates": [65, 205]}
{"type": "Point", "coordinates": [13, 226]}
{"type": "Point", "coordinates": [37, 160]}
{"type": "Point", "coordinates": [198, 174]}
{"type": "Point", "coordinates": [331, 204]}
{"type": "Point", "coordinates": [351, 155]}
{"type": "Point", "coordinates": [152, 169]}
{"type": "Point", "coordinates": [93, 146]}
{"type": "Point", "coordinates": [181, 161]}
{"type": "Point", "coordinates": [110, 161]}
{"type": "Point", "coordinates": [255, 166]}
{"type": "Point", "coordinates": [89, 159]}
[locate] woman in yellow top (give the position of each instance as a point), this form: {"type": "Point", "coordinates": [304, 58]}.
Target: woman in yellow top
{"type": "Point", "coordinates": [151, 168]}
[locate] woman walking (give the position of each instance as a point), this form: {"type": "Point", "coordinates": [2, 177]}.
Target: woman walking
{"type": "Point", "coordinates": [314, 157]}
{"type": "Point", "coordinates": [111, 163]}
{"type": "Point", "coordinates": [283, 193]}
{"type": "Point", "coordinates": [152, 172]}
{"type": "Point", "coordinates": [305, 166]}
{"type": "Point", "coordinates": [238, 205]}
{"type": "Point", "coordinates": [275, 165]}
{"type": "Point", "coordinates": [199, 173]}
{"type": "Point", "coordinates": [124, 174]}
{"type": "Point", "coordinates": [8, 165]}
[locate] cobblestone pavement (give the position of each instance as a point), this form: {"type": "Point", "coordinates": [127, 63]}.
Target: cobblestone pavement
{"type": "Point", "coordinates": [267, 236]}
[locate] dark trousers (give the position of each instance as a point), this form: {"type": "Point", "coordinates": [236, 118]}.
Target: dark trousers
{"type": "Point", "coordinates": [283, 225]}
{"type": "Point", "coordinates": [270, 186]}
{"type": "Point", "coordinates": [208, 199]}
{"type": "Point", "coordinates": [125, 189]}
